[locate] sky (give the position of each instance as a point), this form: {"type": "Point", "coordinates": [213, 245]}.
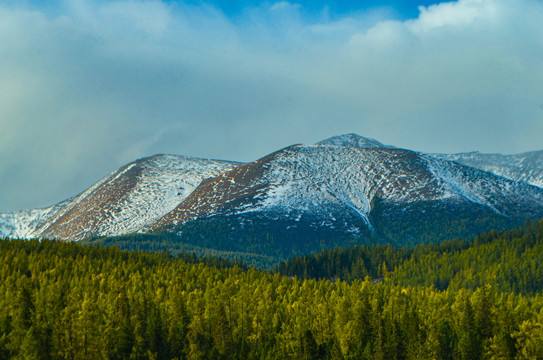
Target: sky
{"type": "Point", "coordinates": [89, 85]}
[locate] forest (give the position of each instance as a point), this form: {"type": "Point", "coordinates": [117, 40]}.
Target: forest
{"type": "Point", "coordinates": [463, 299]}
{"type": "Point", "coordinates": [263, 242]}
{"type": "Point", "coordinates": [510, 261]}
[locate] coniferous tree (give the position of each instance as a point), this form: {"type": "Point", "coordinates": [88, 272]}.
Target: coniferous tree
{"type": "Point", "coordinates": [470, 342]}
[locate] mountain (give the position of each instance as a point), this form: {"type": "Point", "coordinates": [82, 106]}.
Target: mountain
{"type": "Point", "coordinates": [527, 167]}
{"type": "Point", "coordinates": [124, 201]}
{"type": "Point", "coordinates": [320, 181]}
{"type": "Point", "coordinates": [353, 140]}
{"type": "Point", "coordinates": [326, 194]}
{"type": "Point", "coordinates": [341, 191]}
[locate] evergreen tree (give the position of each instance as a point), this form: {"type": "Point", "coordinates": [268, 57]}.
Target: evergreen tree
{"type": "Point", "coordinates": [470, 342]}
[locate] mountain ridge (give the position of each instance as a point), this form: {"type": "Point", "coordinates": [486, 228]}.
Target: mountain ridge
{"type": "Point", "coordinates": [138, 192]}
{"type": "Point", "coordinates": [527, 166]}
{"type": "Point", "coordinates": [346, 184]}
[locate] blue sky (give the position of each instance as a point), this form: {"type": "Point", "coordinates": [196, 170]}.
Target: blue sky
{"type": "Point", "coordinates": [404, 9]}
{"type": "Point", "coordinates": [89, 85]}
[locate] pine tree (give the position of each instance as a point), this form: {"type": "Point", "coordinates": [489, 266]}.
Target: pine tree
{"type": "Point", "coordinates": [469, 344]}
{"type": "Point", "coordinates": [308, 346]}
{"type": "Point", "coordinates": [446, 339]}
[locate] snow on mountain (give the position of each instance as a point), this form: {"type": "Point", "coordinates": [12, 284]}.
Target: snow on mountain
{"type": "Point", "coordinates": [22, 224]}
{"type": "Point", "coordinates": [527, 167]}
{"type": "Point", "coordinates": [353, 140]}
{"type": "Point", "coordinates": [26, 224]}
{"type": "Point", "coordinates": [500, 194]}
{"type": "Point", "coordinates": [122, 202]}
{"type": "Point", "coordinates": [327, 181]}
{"type": "Point", "coordinates": [304, 177]}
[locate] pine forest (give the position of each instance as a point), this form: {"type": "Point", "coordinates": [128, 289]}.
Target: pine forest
{"type": "Point", "coordinates": [478, 299]}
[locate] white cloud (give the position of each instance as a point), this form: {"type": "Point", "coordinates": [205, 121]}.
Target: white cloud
{"type": "Point", "coordinates": [454, 14]}
{"type": "Point", "coordinates": [88, 85]}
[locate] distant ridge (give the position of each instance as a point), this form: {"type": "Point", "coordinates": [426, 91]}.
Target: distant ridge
{"type": "Point", "coordinates": [353, 140]}
{"type": "Point", "coordinates": [527, 167]}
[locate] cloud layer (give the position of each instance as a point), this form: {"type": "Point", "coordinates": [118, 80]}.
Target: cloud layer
{"type": "Point", "coordinates": [86, 86]}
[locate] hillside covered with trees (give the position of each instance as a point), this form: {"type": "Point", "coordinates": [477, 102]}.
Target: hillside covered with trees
{"type": "Point", "coordinates": [66, 301]}
{"type": "Point", "coordinates": [509, 261]}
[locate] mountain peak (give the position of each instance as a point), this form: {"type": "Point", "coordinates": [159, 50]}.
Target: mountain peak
{"type": "Point", "coordinates": [352, 140]}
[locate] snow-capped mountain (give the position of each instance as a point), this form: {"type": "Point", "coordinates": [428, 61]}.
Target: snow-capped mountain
{"type": "Point", "coordinates": [527, 167]}
{"type": "Point", "coordinates": [347, 184]}
{"type": "Point", "coordinates": [124, 201]}
{"type": "Point", "coordinates": [353, 140]}
{"type": "Point", "coordinates": [325, 182]}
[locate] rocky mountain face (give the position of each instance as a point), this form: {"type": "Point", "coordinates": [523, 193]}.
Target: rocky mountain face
{"type": "Point", "coordinates": [344, 191]}
{"type": "Point", "coordinates": [527, 167]}
{"type": "Point", "coordinates": [347, 187]}
{"type": "Point", "coordinates": [325, 181]}
{"type": "Point", "coordinates": [124, 201]}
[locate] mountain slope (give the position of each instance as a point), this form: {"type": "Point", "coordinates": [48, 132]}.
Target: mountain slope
{"type": "Point", "coordinates": [122, 202]}
{"type": "Point", "coordinates": [23, 224]}
{"type": "Point", "coordinates": [527, 167]}
{"type": "Point", "coordinates": [349, 194]}
{"type": "Point", "coordinates": [313, 179]}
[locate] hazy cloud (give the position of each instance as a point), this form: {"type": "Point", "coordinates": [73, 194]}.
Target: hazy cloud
{"type": "Point", "coordinates": [86, 86]}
